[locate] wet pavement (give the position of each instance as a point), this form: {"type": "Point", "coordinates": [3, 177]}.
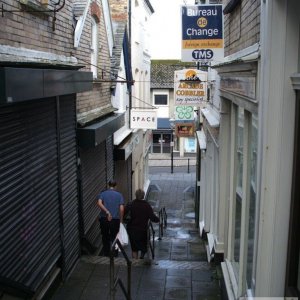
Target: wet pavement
{"type": "Point", "coordinates": [179, 270]}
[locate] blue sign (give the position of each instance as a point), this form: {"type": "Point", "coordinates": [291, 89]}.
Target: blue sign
{"type": "Point", "coordinates": [202, 33]}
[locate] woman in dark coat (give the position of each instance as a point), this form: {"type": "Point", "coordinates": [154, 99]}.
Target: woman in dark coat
{"type": "Point", "coordinates": [140, 213]}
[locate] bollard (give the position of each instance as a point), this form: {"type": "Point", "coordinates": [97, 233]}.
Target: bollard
{"type": "Point", "coordinates": [188, 165]}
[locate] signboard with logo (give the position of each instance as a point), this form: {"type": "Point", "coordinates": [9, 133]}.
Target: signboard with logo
{"type": "Point", "coordinates": [202, 33]}
{"type": "Point", "coordinates": [190, 87]}
{"type": "Point", "coordinates": [143, 119]}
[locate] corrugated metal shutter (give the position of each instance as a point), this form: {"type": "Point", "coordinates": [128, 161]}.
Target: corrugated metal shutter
{"type": "Point", "coordinates": [123, 176]}
{"type": "Point", "coordinates": [129, 178]}
{"type": "Point", "coordinates": [69, 190]}
{"type": "Point", "coordinates": [29, 197]}
{"type": "Point", "coordinates": [93, 180]}
{"type": "Point", "coordinates": [109, 158]}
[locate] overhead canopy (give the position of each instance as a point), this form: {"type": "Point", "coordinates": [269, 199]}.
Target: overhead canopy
{"type": "Point", "coordinates": [201, 139]}
{"type": "Point", "coordinates": [92, 135]}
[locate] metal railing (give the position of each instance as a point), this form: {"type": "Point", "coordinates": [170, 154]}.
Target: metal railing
{"type": "Point", "coordinates": [150, 239]}
{"type": "Point", "coordinates": [175, 163]}
{"type": "Point", "coordinates": [162, 222]}
{"type": "Point", "coordinates": [115, 280]}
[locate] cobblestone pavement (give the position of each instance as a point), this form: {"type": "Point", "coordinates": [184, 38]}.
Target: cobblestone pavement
{"type": "Point", "coordinates": [179, 270]}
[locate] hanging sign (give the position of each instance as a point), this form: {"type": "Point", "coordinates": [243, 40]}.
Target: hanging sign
{"type": "Point", "coordinates": [202, 33]}
{"type": "Point", "coordinates": [190, 87]}
{"type": "Point", "coordinates": [185, 129]}
{"type": "Point", "coordinates": [143, 119]}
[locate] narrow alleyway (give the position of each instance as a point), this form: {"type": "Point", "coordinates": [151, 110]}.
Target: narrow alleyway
{"type": "Point", "coordinates": [180, 269]}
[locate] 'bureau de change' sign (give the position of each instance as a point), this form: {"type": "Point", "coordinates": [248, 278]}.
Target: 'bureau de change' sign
{"type": "Point", "coordinates": [202, 33]}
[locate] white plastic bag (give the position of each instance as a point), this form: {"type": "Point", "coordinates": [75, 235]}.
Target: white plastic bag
{"type": "Point", "coordinates": [122, 236]}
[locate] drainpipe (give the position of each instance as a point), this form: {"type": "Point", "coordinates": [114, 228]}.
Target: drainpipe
{"type": "Point", "coordinates": [129, 42]}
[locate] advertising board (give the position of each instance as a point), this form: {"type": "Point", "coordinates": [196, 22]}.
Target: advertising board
{"type": "Point", "coordinates": [190, 87]}
{"type": "Point", "coordinates": [202, 33]}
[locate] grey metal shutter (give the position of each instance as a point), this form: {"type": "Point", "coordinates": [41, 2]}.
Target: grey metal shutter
{"type": "Point", "coordinates": [29, 197]}
{"type": "Point", "coordinates": [129, 178]}
{"type": "Point", "coordinates": [68, 171]}
{"type": "Point", "coordinates": [93, 180]}
{"type": "Point", "coordinates": [109, 158]}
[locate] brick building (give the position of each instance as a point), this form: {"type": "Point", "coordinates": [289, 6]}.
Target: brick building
{"type": "Point", "coordinates": [57, 126]}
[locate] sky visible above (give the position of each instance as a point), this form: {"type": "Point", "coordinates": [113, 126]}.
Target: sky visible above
{"type": "Point", "coordinates": [165, 28]}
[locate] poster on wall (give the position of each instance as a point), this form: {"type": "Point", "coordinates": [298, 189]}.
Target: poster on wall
{"type": "Point", "coordinates": [202, 33]}
{"type": "Point", "coordinates": [190, 87]}
{"type": "Point", "coordinates": [189, 144]}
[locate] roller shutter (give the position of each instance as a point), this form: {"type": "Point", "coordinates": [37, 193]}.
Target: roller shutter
{"type": "Point", "coordinates": [29, 194]}
{"type": "Point", "coordinates": [109, 158]}
{"type": "Point", "coordinates": [93, 180]}
{"type": "Point", "coordinates": [68, 177]}
{"type": "Point", "coordinates": [38, 192]}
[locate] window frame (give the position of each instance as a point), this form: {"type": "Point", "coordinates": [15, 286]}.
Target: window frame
{"type": "Point", "coordinates": [94, 47]}
{"type": "Point", "coordinates": [161, 94]}
{"type": "Point", "coordinates": [239, 276]}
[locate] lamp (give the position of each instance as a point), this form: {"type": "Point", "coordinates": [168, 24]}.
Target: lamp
{"type": "Point", "coordinates": [172, 125]}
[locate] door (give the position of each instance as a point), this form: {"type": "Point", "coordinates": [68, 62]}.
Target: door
{"type": "Point", "coordinates": [293, 265]}
{"type": "Point", "coordinates": [161, 143]}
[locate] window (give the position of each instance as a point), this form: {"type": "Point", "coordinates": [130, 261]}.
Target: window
{"type": "Point", "coordinates": [94, 47]}
{"type": "Point", "coordinates": [252, 207]}
{"type": "Point", "coordinates": [160, 99]}
{"type": "Point", "coordinates": [243, 199]}
{"type": "Point", "coordinates": [239, 195]}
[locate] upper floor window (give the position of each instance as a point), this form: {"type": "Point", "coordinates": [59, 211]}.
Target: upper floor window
{"type": "Point", "coordinates": [94, 47]}
{"type": "Point", "coordinates": [160, 99]}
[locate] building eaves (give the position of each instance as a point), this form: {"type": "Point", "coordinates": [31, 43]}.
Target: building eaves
{"type": "Point", "coordinates": [119, 29]}
{"type": "Point", "coordinates": [162, 72]}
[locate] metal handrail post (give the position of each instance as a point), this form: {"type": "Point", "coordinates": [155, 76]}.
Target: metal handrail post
{"type": "Point", "coordinates": [114, 282]}
{"type": "Point", "coordinates": [112, 276]}
{"type": "Point", "coordinates": [160, 225]}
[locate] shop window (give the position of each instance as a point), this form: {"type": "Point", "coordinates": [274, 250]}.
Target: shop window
{"type": "Point", "coordinates": [252, 206]}
{"type": "Point", "coordinates": [239, 195]}
{"type": "Point", "coordinates": [243, 198]}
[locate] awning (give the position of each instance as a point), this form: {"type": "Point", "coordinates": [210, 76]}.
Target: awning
{"type": "Point", "coordinates": [163, 123]}
{"type": "Point", "coordinates": [23, 84]}
{"type": "Point", "coordinates": [211, 119]}
{"type": "Point", "coordinates": [201, 139]}
{"type": "Point", "coordinates": [123, 151]}
{"type": "Point", "coordinates": [92, 135]}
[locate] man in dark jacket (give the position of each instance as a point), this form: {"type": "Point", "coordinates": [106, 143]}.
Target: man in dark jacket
{"type": "Point", "coordinates": [140, 214]}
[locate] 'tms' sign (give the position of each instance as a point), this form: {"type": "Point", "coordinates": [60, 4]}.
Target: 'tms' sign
{"type": "Point", "coordinates": [206, 54]}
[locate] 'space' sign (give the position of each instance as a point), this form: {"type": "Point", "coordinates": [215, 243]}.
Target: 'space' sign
{"type": "Point", "coordinates": [202, 33]}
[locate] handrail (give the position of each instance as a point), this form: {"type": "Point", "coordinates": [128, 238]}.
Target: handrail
{"type": "Point", "coordinates": [115, 281]}
{"type": "Point", "coordinates": [151, 232]}
{"type": "Point", "coordinates": [181, 162]}
{"type": "Point", "coordinates": [162, 222]}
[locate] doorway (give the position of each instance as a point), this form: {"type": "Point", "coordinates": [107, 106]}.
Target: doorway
{"type": "Point", "coordinates": [161, 143]}
{"type": "Point", "coordinates": [293, 264]}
